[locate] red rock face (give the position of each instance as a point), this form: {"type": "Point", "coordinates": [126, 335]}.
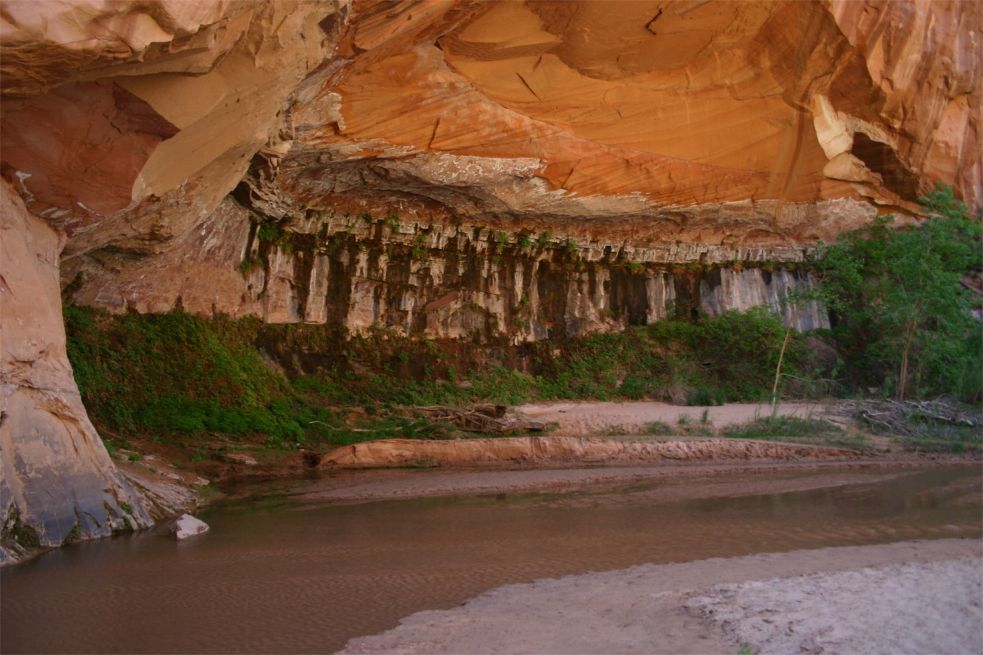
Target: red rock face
{"type": "Point", "coordinates": [115, 112]}
{"type": "Point", "coordinates": [719, 102]}
{"type": "Point", "coordinates": [787, 121]}
{"type": "Point", "coordinates": [85, 142]}
{"type": "Point", "coordinates": [739, 125]}
{"type": "Point", "coordinates": [735, 127]}
{"type": "Point", "coordinates": [50, 43]}
{"type": "Point", "coordinates": [684, 107]}
{"type": "Point", "coordinates": [926, 60]}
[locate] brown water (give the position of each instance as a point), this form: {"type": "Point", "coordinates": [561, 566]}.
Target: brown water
{"type": "Point", "coordinates": [274, 575]}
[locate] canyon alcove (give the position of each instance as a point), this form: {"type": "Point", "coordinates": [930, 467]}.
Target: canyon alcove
{"type": "Point", "coordinates": [486, 171]}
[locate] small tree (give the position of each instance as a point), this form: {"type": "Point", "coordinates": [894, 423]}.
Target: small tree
{"type": "Point", "coordinates": [900, 316]}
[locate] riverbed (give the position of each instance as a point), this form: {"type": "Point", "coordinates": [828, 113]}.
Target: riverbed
{"type": "Point", "coordinates": [294, 572]}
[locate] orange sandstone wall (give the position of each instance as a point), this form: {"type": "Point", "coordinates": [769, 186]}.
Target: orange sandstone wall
{"type": "Point", "coordinates": [751, 123]}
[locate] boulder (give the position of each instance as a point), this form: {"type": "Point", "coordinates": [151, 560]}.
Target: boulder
{"type": "Point", "coordinates": [188, 526]}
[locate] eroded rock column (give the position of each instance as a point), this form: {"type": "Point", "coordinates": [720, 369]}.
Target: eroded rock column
{"type": "Point", "coordinates": [57, 481]}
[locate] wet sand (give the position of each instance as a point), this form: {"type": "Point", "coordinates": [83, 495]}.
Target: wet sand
{"type": "Point", "coordinates": [676, 481]}
{"type": "Point", "coordinates": [906, 597]}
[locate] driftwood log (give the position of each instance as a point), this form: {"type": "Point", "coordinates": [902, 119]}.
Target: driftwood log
{"type": "Point", "coordinates": [486, 419]}
{"type": "Point", "coordinates": [909, 417]}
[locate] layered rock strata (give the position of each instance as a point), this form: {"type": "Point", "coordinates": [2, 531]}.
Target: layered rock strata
{"type": "Point", "coordinates": [737, 126]}
{"type": "Point", "coordinates": [440, 281]}
{"type": "Point", "coordinates": [699, 131]}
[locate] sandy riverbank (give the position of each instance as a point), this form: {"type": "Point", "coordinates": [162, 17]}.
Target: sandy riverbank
{"type": "Point", "coordinates": [595, 442]}
{"type": "Point", "coordinates": [553, 450]}
{"type": "Point", "coordinates": [667, 482]}
{"type": "Point", "coordinates": [906, 597]}
{"type": "Point", "coordinates": [590, 418]}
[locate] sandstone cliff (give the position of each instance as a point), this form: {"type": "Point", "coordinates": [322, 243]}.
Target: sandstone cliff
{"type": "Point", "coordinates": [518, 169]}
{"type": "Point", "coordinates": [57, 481]}
{"type": "Point", "coordinates": [121, 123]}
{"type": "Point", "coordinates": [713, 132]}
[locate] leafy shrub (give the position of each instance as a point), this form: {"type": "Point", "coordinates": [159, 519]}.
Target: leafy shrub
{"type": "Point", "coordinates": [795, 429]}
{"type": "Point", "coordinates": [900, 315]}
{"type": "Point", "coordinates": [781, 426]}
{"type": "Point", "coordinates": [658, 429]}
{"type": "Point", "coordinates": [740, 352]}
{"type": "Point", "coordinates": [176, 373]}
{"type": "Point", "coordinates": [703, 395]}
{"type": "Point", "coordinates": [634, 387]}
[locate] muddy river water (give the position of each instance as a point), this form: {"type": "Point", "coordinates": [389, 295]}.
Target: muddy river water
{"type": "Point", "coordinates": [278, 574]}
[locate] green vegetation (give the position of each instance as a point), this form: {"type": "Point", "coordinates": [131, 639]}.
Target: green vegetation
{"type": "Point", "coordinates": [792, 428]}
{"type": "Point", "coordinates": [419, 249]}
{"type": "Point", "coordinates": [731, 357]}
{"type": "Point", "coordinates": [176, 373]}
{"type": "Point", "coordinates": [901, 318]}
{"type": "Point", "coordinates": [270, 231]}
{"type": "Point", "coordinates": [24, 535]}
{"type": "Point", "coordinates": [944, 440]}
{"type": "Point", "coordinates": [781, 426]}
{"type": "Point", "coordinates": [73, 535]}
{"type": "Point", "coordinates": [389, 387]}
{"type": "Point", "coordinates": [901, 323]}
{"type": "Point", "coordinates": [178, 376]}
{"type": "Point", "coordinates": [499, 240]}
{"type": "Point", "coordinates": [658, 429]}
